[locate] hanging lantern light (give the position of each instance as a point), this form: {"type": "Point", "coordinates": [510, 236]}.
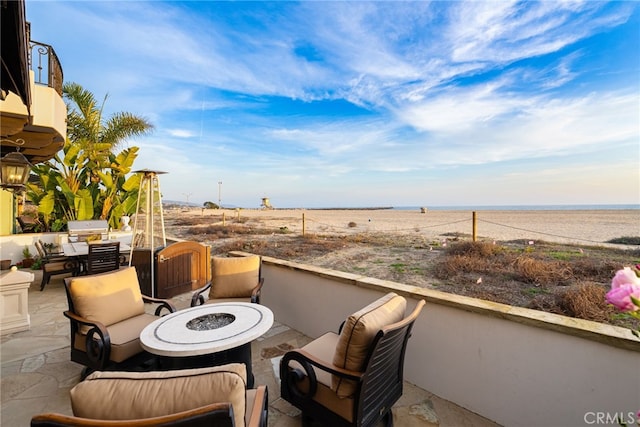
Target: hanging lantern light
{"type": "Point", "coordinates": [15, 171]}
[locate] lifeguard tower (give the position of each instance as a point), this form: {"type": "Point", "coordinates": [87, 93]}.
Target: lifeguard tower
{"type": "Point", "coordinates": [266, 204]}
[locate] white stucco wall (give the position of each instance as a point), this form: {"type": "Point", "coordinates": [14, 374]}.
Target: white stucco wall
{"type": "Point", "coordinates": [515, 366]}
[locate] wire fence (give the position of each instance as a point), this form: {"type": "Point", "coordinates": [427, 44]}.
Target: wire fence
{"type": "Point", "coordinates": [308, 224]}
{"type": "Point", "coordinates": [419, 228]}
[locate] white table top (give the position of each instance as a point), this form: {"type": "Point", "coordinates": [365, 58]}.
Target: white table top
{"type": "Point", "coordinates": [170, 336]}
{"type": "Point", "coordinates": [82, 248]}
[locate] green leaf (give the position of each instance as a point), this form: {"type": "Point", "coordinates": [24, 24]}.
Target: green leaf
{"type": "Point", "coordinates": [83, 204]}
{"type": "Point", "coordinates": [126, 158]}
{"type": "Point", "coordinates": [129, 204]}
{"type": "Point", "coordinates": [132, 183]}
{"type": "Point", "coordinates": [71, 154]}
{"type": "Point", "coordinates": [47, 203]}
{"type": "Point", "coordinates": [107, 179]}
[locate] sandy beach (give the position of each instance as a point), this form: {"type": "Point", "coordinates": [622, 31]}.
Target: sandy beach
{"type": "Point", "coordinates": [584, 227]}
{"type": "Point", "coordinates": [408, 247]}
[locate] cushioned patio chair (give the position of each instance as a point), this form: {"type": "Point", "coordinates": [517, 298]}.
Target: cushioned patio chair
{"type": "Point", "coordinates": [55, 264]}
{"type": "Point", "coordinates": [354, 378]}
{"type": "Point", "coordinates": [215, 396]}
{"type": "Point", "coordinates": [234, 279]}
{"type": "Point", "coordinates": [107, 314]}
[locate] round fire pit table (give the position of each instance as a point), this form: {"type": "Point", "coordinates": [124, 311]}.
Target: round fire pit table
{"type": "Point", "coordinates": [207, 335]}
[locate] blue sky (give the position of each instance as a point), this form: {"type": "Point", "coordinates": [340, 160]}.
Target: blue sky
{"type": "Point", "coordinates": [327, 104]}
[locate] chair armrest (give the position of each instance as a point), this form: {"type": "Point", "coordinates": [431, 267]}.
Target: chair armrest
{"type": "Point", "coordinates": [198, 298]}
{"type": "Point", "coordinates": [308, 362]}
{"type": "Point", "coordinates": [163, 304]}
{"type": "Point", "coordinates": [258, 414]}
{"type": "Point", "coordinates": [54, 258]}
{"type": "Point", "coordinates": [255, 294]}
{"type": "Point", "coordinates": [212, 414]}
{"type": "Point", "coordinates": [301, 356]}
{"type": "Point", "coordinates": [69, 263]}
{"type": "Point", "coordinates": [86, 322]}
{"type": "Point", "coordinates": [98, 341]}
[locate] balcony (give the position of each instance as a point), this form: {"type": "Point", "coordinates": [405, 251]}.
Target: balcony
{"type": "Point", "coordinates": [468, 361]}
{"type": "Point", "coordinates": [33, 114]}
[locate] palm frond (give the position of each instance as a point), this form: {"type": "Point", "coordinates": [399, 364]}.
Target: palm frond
{"type": "Point", "coordinates": [123, 125]}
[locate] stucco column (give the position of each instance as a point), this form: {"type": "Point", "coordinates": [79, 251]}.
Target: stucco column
{"type": "Point", "coordinates": [14, 300]}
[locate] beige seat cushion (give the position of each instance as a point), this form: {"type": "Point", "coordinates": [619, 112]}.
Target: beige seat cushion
{"type": "Point", "coordinates": [358, 333]}
{"type": "Point", "coordinates": [323, 348]}
{"type": "Point", "coordinates": [125, 337]}
{"type": "Point", "coordinates": [107, 298]}
{"type": "Point", "coordinates": [136, 395]}
{"type": "Point", "coordinates": [54, 266]}
{"type": "Point", "coordinates": [234, 277]}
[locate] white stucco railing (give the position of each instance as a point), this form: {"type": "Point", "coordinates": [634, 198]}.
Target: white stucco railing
{"type": "Point", "coordinates": [515, 366]}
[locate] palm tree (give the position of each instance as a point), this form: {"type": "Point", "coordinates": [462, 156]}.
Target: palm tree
{"type": "Point", "coordinates": [87, 179]}
{"type": "Point", "coordinates": [97, 138]}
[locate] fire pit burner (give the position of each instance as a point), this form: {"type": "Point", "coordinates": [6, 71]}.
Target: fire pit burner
{"type": "Point", "coordinates": [210, 321]}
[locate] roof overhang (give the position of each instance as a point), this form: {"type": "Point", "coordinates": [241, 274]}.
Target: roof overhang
{"type": "Point", "coordinates": [14, 52]}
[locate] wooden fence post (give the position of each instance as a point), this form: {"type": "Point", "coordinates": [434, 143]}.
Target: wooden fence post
{"type": "Point", "coordinates": [303, 224]}
{"type": "Point", "coordinates": [475, 226]}
{"type": "Point", "coordinates": [223, 220]}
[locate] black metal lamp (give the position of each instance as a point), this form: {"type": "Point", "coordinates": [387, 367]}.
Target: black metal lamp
{"type": "Point", "coordinates": [15, 171]}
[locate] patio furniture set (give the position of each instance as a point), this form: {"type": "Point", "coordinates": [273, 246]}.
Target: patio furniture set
{"type": "Point", "coordinates": [81, 258]}
{"type": "Point", "coordinates": [192, 367]}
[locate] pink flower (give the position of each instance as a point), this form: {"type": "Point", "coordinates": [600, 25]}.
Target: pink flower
{"type": "Point", "coordinates": [620, 297]}
{"type": "Point", "coordinates": [626, 276]}
{"type": "Point", "coordinates": [624, 285]}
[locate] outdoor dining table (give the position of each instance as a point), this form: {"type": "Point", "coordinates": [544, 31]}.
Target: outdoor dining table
{"type": "Point", "coordinates": [80, 251]}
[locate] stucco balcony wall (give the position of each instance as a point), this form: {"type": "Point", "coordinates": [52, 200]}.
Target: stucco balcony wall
{"type": "Point", "coordinates": [48, 109]}
{"type": "Point", "coordinates": [515, 366]}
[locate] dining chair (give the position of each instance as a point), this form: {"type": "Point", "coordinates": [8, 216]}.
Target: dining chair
{"type": "Point", "coordinates": [54, 264]}
{"type": "Point", "coordinates": [103, 257]}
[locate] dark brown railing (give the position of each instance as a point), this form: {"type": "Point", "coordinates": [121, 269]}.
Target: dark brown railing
{"type": "Point", "coordinates": [46, 66]}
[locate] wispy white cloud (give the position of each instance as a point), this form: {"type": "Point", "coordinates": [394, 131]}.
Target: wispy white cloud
{"type": "Point", "coordinates": [444, 85]}
{"type": "Point", "coordinates": [181, 133]}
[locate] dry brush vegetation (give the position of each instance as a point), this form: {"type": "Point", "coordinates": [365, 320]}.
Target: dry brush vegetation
{"type": "Point", "coordinates": [557, 278]}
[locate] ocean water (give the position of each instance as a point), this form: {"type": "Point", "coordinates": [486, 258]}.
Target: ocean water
{"type": "Point", "coordinates": [521, 207]}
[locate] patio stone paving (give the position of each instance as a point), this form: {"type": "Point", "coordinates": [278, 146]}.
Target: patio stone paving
{"type": "Point", "coordinates": [36, 373]}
